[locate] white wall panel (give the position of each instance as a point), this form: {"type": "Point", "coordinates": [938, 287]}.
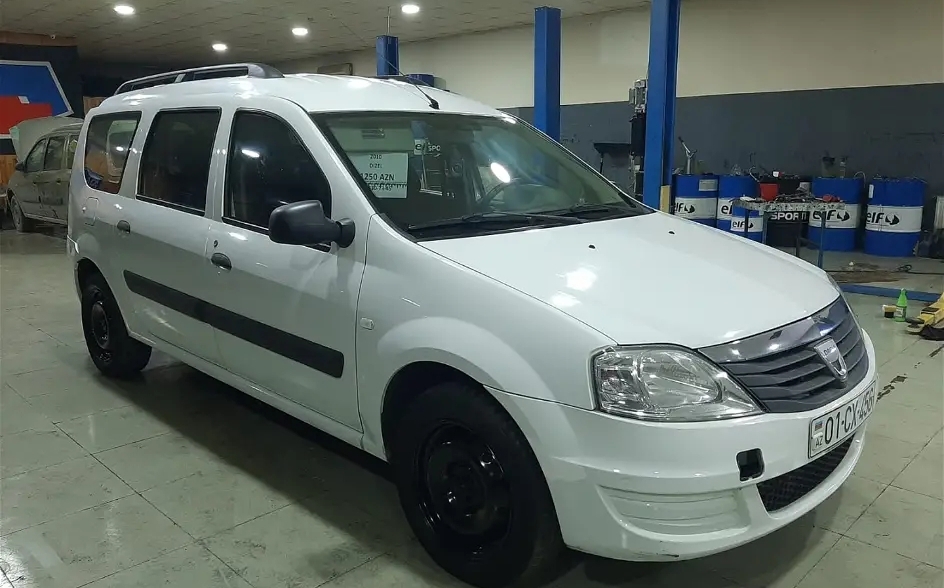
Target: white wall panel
{"type": "Point", "coordinates": [726, 47]}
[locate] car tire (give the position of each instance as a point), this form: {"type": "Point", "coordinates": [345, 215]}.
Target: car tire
{"type": "Point", "coordinates": [473, 491]}
{"type": "Point", "coordinates": [115, 353]}
{"type": "Point", "coordinates": [20, 222]}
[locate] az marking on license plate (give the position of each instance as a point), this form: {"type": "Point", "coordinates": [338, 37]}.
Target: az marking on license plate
{"type": "Point", "coordinates": [834, 426]}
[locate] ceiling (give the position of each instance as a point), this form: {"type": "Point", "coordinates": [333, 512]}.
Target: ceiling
{"type": "Point", "coordinates": [180, 32]}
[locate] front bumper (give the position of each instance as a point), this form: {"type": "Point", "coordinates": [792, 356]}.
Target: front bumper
{"type": "Point", "coordinates": [643, 491]}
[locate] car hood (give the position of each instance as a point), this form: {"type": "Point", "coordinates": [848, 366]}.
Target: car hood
{"type": "Point", "coordinates": [651, 278]}
{"type": "Point", "coordinates": [25, 134]}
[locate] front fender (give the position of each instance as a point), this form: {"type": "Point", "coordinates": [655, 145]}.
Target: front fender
{"type": "Point", "coordinates": [417, 306]}
{"type": "Point", "coordinates": [463, 346]}
{"type": "Point", "coordinates": [468, 348]}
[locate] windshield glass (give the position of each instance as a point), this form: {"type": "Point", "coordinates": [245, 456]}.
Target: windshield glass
{"type": "Point", "coordinates": [437, 174]}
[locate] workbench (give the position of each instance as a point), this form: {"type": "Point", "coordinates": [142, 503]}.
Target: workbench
{"type": "Point", "coordinates": [767, 208]}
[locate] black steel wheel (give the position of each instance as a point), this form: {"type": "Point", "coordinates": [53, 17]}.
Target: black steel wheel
{"type": "Point", "coordinates": [472, 490]}
{"type": "Point", "coordinates": [464, 493]}
{"type": "Point", "coordinates": [98, 324]}
{"type": "Point", "coordinates": [113, 351]}
{"type": "Point", "coordinates": [20, 222]}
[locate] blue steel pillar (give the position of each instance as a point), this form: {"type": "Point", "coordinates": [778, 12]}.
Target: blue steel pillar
{"type": "Point", "coordinates": [547, 70]}
{"type": "Point", "coordinates": [660, 100]}
{"type": "Point", "coordinates": [388, 55]}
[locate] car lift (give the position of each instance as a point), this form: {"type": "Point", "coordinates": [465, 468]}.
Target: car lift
{"type": "Point", "coordinates": [659, 115]}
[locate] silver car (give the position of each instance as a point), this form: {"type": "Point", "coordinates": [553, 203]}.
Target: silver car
{"type": "Point", "coordinates": [39, 188]}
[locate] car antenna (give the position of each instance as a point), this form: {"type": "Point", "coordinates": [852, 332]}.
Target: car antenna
{"type": "Point", "coordinates": [433, 103]}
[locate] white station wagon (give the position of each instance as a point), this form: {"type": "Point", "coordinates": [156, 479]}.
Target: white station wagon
{"type": "Point", "coordinates": [544, 361]}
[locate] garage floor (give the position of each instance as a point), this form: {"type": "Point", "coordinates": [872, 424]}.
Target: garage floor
{"type": "Point", "coordinates": [177, 480]}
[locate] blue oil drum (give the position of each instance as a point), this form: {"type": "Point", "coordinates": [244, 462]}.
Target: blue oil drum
{"type": "Point", "coordinates": [893, 219]}
{"type": "Point", "coordinates": [841, 225]}
{"type": "Point", "coordinates": [731, 219]}
{"type": "Point", "coordinates": [696, 198]}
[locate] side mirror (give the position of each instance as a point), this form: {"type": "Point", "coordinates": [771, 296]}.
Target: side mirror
{"type": "Point", "coordinates": [305, 223]}
{"type": "Point", "coordinates": [20, 166]}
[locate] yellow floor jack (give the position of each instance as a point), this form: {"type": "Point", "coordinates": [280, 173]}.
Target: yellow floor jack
{"type": "Point", "coordinates": [930, 321]}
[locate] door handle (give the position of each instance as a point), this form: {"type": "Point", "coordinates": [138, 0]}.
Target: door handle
{"type": "Point", "coordinates": [221, 261]}
{"type": "Point", "coordinates": [124, 226]}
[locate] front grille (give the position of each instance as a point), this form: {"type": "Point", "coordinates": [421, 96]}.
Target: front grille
{"type": "Point", "coordinates": [782, 370]}
{"type": "Point", "coordinates": [784, 490]}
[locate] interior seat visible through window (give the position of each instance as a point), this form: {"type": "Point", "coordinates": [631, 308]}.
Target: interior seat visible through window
{"type": "Point", "coordinates": [106, 149]}
{"type": "Point", "coordinates": [175, 165]}
{"type": "Point", "coordinates": [54, 150]}
{"type": "Point", "coordinates": [268, 167]}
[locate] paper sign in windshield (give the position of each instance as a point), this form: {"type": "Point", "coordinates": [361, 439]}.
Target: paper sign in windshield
{"type": "Point", "coordinates": [385, 173]}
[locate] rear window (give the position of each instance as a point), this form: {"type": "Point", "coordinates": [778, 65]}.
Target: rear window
{"type": "Point", "coordinates": [175, 164]}
{"type": "Point", "coordinates": [106, 149]}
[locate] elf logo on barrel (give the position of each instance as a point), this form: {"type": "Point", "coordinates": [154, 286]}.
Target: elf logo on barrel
{"type": "Point", "coordinates": [754, 225]}
{"type": "Point", "coordinates": [894, 219]}
{"type": "Point", "coordinates": [836, 219]}
{"type": "Point", "coordinates": [725, 208]}
{"type": "Point", "coordinates": [880, 218]}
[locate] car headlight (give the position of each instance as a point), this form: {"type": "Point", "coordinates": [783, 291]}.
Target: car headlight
{"type": "Point", "coordinates": [667, 384]}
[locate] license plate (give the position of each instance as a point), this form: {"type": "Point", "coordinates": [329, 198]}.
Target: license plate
{"type": "Point", "coordinates": [835, 426]}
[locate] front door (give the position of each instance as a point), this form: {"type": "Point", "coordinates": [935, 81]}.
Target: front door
{"type": "Point", "coordinates": [28, 187]}
{"type": "Point", "coordinates": [59, 201]}
{"type": "Point", "coordinates": [54, 188]}
{"type": "Point", "coordinates": [285, 314]}
{"type": "Point", "coordinates": [163, 232]}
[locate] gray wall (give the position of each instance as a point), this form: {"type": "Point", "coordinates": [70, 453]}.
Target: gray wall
{"type": "Point", "coordinates": [892, 131]}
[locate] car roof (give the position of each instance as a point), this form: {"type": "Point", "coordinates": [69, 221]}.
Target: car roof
{"type": "Point", "coordinates": [313, 92]}
{"type": "Point", "coordinates": [64, 130]}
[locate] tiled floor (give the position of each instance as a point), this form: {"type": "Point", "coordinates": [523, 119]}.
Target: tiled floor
{"type": "Point", "coordinates": [179, 481]}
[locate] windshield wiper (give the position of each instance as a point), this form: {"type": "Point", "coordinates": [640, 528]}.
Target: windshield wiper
{"type": "Point", "coordinates": [577, 209]}
{"type": "Point", "coordinates": [495, 217]}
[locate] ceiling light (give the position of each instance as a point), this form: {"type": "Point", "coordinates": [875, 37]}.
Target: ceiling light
{"type": "Point", "coordinates": [410, 8]}
{"type": "Point", "coordinates": [124, 9]}
{"type": "Point", "coordinates": [299, 31]}
{"type": "Point", "coordinates": [220, 47]}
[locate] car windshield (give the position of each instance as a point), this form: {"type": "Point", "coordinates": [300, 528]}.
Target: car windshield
{"type": "Point", "coordinates": [437, 175]}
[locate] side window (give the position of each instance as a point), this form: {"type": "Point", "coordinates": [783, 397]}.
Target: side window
{"type": "Point", "coordinates": [106, 149]}
{"type": "Point", "coordinates": [269, 166]}
{"type": "Point", "coordinates": [175, 164]}
{"type": "Point", "coordinates": [54, 149]}
{"type": "Point", "coordinates": [72, 144]}
{"type": "Point", "coordinates": [34, 161]}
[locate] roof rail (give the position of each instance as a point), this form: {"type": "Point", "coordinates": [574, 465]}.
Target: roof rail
{"type": "Point", "coordinates": [232, 70]}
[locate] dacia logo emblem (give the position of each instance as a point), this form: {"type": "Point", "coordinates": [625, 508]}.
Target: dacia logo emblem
{"type": "Point", "coordinates": [829, 353]}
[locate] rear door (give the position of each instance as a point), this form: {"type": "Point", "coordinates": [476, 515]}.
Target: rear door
{"type": "Point", "coordinates": [102, 191]}
{"type": "Point", "coordinates": [165, 230]}
{"type": "Point", "coordinates": [55, 185]}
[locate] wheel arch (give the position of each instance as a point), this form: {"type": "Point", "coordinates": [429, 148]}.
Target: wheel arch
{"type": "Point", "coordinates": [417, 354]}
{"type": "Point", "coordinates": [84, 268]}
{"type": "Point", "coordinates": [409, 382]}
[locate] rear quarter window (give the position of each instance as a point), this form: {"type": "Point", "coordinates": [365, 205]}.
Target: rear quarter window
{"type": "Point", "coordinates": [106, 149]}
